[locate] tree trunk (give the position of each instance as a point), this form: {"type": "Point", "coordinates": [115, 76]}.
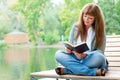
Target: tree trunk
{"type": "Point", "coordinates": [37, 38]}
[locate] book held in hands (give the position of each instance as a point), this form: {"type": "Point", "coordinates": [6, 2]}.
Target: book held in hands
{"type": "Point", "coordinates": [78, 48]}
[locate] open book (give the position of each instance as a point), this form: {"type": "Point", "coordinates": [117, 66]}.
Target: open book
{"type": "Point", "coordinates": [79, 48]}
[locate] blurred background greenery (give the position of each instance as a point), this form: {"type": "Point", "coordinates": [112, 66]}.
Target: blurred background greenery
{"type": "Point", "coordinates": [41, 18]}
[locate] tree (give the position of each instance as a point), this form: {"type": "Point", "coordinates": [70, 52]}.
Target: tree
{"type": "Point", "coordinates": [32, 10]}
{"type": "Point", "coordinates": [8, 19]}
{"type": "Point", "coordinates": [41, 20]}
{"type": "Point", "coordinates": [111, 12]}
{"type": "Point", "coordinates": [50, 23]}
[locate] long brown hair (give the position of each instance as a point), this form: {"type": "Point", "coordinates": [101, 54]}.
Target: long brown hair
{"type": "Point", "coordinates": [98, 24]}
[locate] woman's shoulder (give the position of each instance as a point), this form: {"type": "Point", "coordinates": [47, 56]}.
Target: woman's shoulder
{"type": "Point", "coordinates": [75, 26]}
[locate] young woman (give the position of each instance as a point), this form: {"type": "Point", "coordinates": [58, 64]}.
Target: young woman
{"type": "Point", "coordinates": [89, 29]}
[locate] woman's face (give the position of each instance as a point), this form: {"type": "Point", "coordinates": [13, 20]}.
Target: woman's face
{"type": "Point", "coordinates": [88, 20]}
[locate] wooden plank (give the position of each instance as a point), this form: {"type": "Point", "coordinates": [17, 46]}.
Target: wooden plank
{"type": "Point", "coordinates": [113, 45]}
{"type": "Point", "coordinates": [111, 49]}
{"type": "Point", "coordinates": [45, 73]}
{"type": "Point", "coordinates": [110, 38]}
{"type": "Point", "coordinates": [51, 74]}
{"type": "Point", "coordinates": [115, 40]}
{"type": "Point", "coordinates": [113, 59]}
{"type": "Point", "coordinates": [113, 36]}
{"type": "Point", "coordinates": [114, 68]}
{"type": "Point", "coordinates": [113, 75]}
{"type": "Point", "coordinates": [114, 64]}
{"type": "Point", "coordinates": [112, 54]}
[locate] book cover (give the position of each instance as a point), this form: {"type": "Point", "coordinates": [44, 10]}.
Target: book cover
{"type": "Point", "coordinates": [79, 48]}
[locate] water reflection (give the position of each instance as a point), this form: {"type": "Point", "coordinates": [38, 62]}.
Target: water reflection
{"type": "Point", "coordinates": [16, 55]}
{"type": "Point", "coordinates": [18, 63]}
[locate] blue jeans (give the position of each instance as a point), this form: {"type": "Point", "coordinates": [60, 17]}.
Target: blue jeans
{"type": "Point", "coordinates": [86, 66]}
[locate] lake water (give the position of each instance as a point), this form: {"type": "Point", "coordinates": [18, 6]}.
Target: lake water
{"type": "Point", "coordinates": [18, 63]}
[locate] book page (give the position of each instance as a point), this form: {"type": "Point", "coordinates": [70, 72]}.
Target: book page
{"type": "Point", "coordinates": [68, 45]}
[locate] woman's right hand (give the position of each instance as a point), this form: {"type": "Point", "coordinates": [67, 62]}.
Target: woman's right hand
{"type": "Point", "coordinates": [79, 55]}
{"type": "Point", "coordinates": [68, 50]}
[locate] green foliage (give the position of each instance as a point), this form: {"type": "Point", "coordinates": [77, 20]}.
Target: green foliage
{"type": "Point", "coordinates": [38, 20]}
{"type": "Point", "coordinates": [111, 10]}
{"type": "Point", "coordinates": [49, 25]}
{"type": "Point", "coordinates": [3, 45]}
{"type": "Point", "coordinates": [5, 27]}
{"type": "Point", "coordinates": [3, 30]}
{"type": "Point", "coordinates": [51, 37]}
{"type": "Point", "coordinates": [67, 32]}
{"type": "Point", "coordinates": [31, 10]}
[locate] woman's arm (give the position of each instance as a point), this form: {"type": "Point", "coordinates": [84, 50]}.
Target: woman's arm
{"type": "Point", "coordinates": [72, 34]}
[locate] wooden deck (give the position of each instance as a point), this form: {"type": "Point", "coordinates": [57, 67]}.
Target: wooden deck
{"type": "Point", "coordinates": [112, 53]}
